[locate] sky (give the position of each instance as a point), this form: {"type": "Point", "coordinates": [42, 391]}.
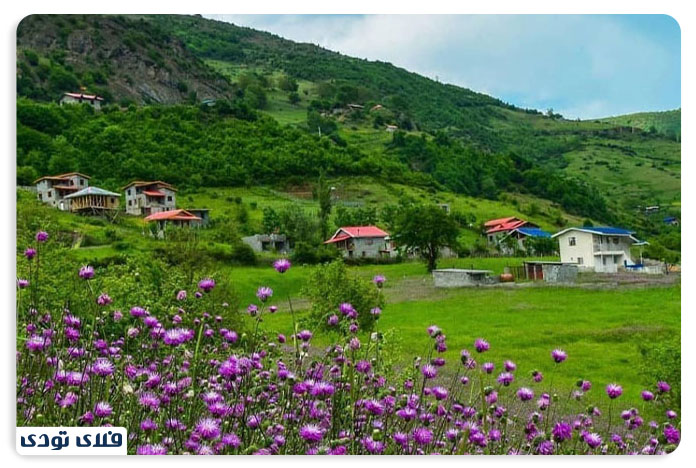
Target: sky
{"type": "Point", "coordinates": [582, 66]}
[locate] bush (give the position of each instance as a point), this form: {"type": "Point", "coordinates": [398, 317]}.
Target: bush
{"type": "Point", "coordinates": [662, 362]}
{"type": "Point", "coordinates": [243, 254]}
{"type": "Point", "coordinates": [330, 285]}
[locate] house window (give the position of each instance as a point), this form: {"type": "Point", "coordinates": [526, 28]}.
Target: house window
{"type": "Point", "coordinates": [369, 241]}
{"type": "Point", "coordinates": [48, 194]}
{"type": "Point", "coordinates": [128, 192]}
{"type": "Point", "coordinates": [571, 241]}
{"type": "Point", "coordinates": [40, 196]}
{"type": "Point", "coordinates": [130, 202]}
{"type": "Point", "coordinates": [616, 240]}
{"type": "Point", "coordinates": [169, 198]}
{"type": "Point", "coordinates": [580, 261]}
{"type": "Point", "coordinates": [82, 182]}
{"type": "Point", "coordinates": [113, 200]}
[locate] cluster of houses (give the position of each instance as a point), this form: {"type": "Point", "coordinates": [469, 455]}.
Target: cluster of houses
{"type": "Point", "coordinates": [599, 249]}
{"type": "Point", "coordinates": [154, 200]}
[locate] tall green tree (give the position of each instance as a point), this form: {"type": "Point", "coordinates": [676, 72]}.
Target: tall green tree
{"type": "Point", "coordinates": [324, 196]}
{"type": "Point", "coordinates": [426, 229]}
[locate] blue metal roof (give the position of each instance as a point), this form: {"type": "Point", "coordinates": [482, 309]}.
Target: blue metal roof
{"type": "Point", "coordinates": [609, 230]}
{"type": "Point", "coordinates": [533, 232]}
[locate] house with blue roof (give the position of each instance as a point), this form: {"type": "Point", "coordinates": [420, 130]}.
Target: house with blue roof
{"type": "Point", "coordinates": [601, 249]}
{"type": "Point", "coordinates": [521, 235]}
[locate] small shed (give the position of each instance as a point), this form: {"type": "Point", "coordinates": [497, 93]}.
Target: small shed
{"type": "Point", "coordinates": [456, 278]}
{"type": "Point", "coordinates": [93, 200]}
{"type": "Point", "coordinates": [551, 272]}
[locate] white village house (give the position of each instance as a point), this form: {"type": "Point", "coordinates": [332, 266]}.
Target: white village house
{"type": "Point", "coordinates": [80, 98]}
{"type": "Point", "coordinates": [599, 249]}
{"type": "Point", "coordinates": [362, 242]}
{"type": "Point", "coordinates": [146, 198]}
{"type": "Point", "coordinates": [53, 189]}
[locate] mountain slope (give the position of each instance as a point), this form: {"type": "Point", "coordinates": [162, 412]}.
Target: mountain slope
{"type": "Point", "coordinates": [667, 123]}
{"type": "Point", "coordinates": [123, 58]}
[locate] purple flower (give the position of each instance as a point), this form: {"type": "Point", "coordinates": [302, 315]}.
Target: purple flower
{"type": "Point", "coordinates": [346, 309]}
{"type": "Point", "coordinates": [422, 435]}
{"type": "Point", "coordinates": [372, 446]}
{"type": "Point", "coordinates": [434, 331]}
{"type": "Point", "coordinates": [102, 409]}
{"type": "Point", "coordinates": [253, 310]}
{"type": "Point", "coordinates": [282, 265]}
{"type": "Point", "coordinates": [525, 394]}
{"type": "Point", "coordinates": [429, 371]}
{"type": "Point", "coordinates": [208, 428]}
{"type": "Point", "coordinates": [103, 367]}
{"type": "Point", "coordinates": [671, 434]}
{"type": "Point", "coordinates": [545, 447]}
{"type": "Point", "coordinates": [41, 236]}
{"type": "Point", "coordinates": [614, 390]}
{"type": "Point", "coordinates": [562, 431]}
{"type": "Point", "coordinates": [363, 366]}
{"type": "Point", "coordinates": [138, 312]}
{"type": "Point", "coordinates": [509, 366]}
{"type": "Point", "coordinates": [333, 320]}
{"type": "Point", "coordinates": [671, 414]}
{"type": "Point", "coordinates": [537, 376]}
{"type": "Point", "coordinates": [440, 393]}
{"type": "Point", "coordinates": [304, 335]}
{"type": "Point", "coordinates": [206, 284]}
{"type": "Point", "coordinates": [585, 385]}
{"type": "Point", "coordinates": [311, 433]}
{"type": "Point", "coordinates": [593, 439]}
{"type": "Point", "coordinates": [379, 280]}
{"type": "Point", "coordinates": [481, 345]}
{"type": "Point", "coordinates": [68, 400]}
{"type": "Point", "coordinates": [647, 395]}
{"type": "Point", "coordinates": [104, 300]}
{"type": "Point", "coordinates": [30, 253]}
{"type": "Point", "coordinates": [663, 387]}
{"type": "Point", "coordinates": [505, 378]}
{"type": "Point", "coordinates": [488, 367]}
{"type": "Point", "coordinates": [263, 293]}
{"type": "Point", "coordinates": [151, 449]}
{"type": "Point", "coordinates": [22, 283]}
{"type": "Point", "coordinates": [181, 295]}
{"type": "Point", "coordinates": [558, 355]}
{"type": "Point", "coordinates": [148, 425]}
{"type": "Point", "coordinates": [375, 311]}
{"type": "Point", "coordinates": [38, 343]}
{"type": "Point", "coordinates": [86, 272]}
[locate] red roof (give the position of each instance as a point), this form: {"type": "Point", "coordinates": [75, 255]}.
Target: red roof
{"type": "Point", "coordinates": [496, 222]}
{"type": "Point", "coordinates": [153, 193]}
{"type": "Point", "coordinates": [356, 231]}
{"type": "Point", "coordinates": [176, 215]}
{"type": "Point", "coordinates": [338, 238]}
{"type": "Point", "coordinates": [90, 97]}
{"type": "Point", "coordinates": [508, 226]}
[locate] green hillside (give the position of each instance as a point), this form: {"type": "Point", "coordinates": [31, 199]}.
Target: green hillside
{"type": "Point", "coordinates": [667, 123]}
{"type": "Point", "coordinates": [281, 113]}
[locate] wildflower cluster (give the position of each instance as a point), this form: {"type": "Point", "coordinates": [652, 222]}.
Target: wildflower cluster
{"type": "Point", "coordinates": [187, 383]}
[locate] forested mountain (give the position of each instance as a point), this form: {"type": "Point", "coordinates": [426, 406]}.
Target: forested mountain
{"type": "Point", "coordinates": [283, 111]}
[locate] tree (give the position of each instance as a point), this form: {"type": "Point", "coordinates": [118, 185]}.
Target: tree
{"type": "Point", "coordinates": [426, 229]}
{"type": "Point", "coordinates": [323, 193]}
{"type": "Point", "coordinates": [541, 246]}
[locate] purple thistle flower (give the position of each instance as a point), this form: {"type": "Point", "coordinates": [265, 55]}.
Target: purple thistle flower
{"type": "Point", "coordinates": [505, 378]}
{"type": "Point", "coordinates": [509, 366]}
{"type": "Point", "coordinates": [252, 310]}
{"type": "Point", "coordinates": [379, 280]}
{"type": "Point", "coordinates": [30, 253]}
{"type": "Point", "coordinates": [545, 447]}
{"type": "Point", "coordinates": [41, 236]}
{"type": "Point", "coordinates": [614, 390]}
{"type": "Point", "coordinates": [102, 409]}
{"type": "Point", "coordinates": [429, 371]}
{"type": "Point", "coordinates": [86, 272]}
{"type": "Point", "coordinates": [263, 293]}
{"type": "Point", "coordinates": [208, 428]}
{"type": "Point", "coordinates": [304, 335]}
{"type": "Point", "coordinates": [273, 309]}
{"type": "Point", "coordinates": [585, 385]}
{"type": "Point", "coordinates": [422, 435]}
{"type": "Point", "coordinates": [138, 312]}
{"type": "Point", "coordinates": [333, 320]}
{"type": "Point", "coordinates": [537, 376]}
{"type": "Point", "coordinates": [671, 414]}
{"type": "Point", "coordinates": [434, 331]}
{"type": "Point", "coordinates": [440, 393]}
{"type": "Point", "coordinates": [311, 433]}
{"type": "Point", "coordinates": [346, 309]}
{"type": "Point", "coordinates": [558, 355]}
{"type": "Point", "coordinates": [206, 284]}
{"type": "Point", "coordinates": [282, 265]}
{"type": "Point", "coordinates": [148, 425]}
{"type": "Point", "coordinates": [647, 395]}
{"type": "Point", "coordinates": [481, 345]}
{"type": "Point", "coordinates": [181, 295]}
{"type": "Point", "coordinates": [363, 366]}
{"type": "Point", "coordinates": [68, 400]}
{"type": "Point", "coordinates": [594, 440]}
{"type": "Point", "coordinates": [372, 446]}
{"type": "Point", "coordinates": [525, 394]}
{"type": "Point", "coordinates": [102, 367]}
{"type": "Point", "coordinates": [488, 367]}
{"type": "Point", "coordinates": [671, 434]}
{"type": "Point", "coordinates": [22, 283]}
{"type": "Point", "coordinates": [151, 449]}
{"type": "Point", "coordinates": [104, 299]}
{"type": "Point", "coordinates": [231, 440]}
{"type": "Point", "coordinates": [38, 343]}
{"type": "Point", "coordinates": [562, 431]}
{"type": "Point", "coordinates": [663, 387]}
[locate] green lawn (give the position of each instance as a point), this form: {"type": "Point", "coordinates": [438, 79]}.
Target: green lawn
{"type": "Point", "coordinates": [600, 329]}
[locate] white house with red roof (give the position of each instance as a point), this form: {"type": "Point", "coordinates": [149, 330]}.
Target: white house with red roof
{"type": "Point", "coordinates": [53, 189]}
{"type": "Point", "coordinates": [81, 98]}
{"type": "Point", "coordinates": [146, 198]}
{"type": "Point", "coordinates": [362, 242]}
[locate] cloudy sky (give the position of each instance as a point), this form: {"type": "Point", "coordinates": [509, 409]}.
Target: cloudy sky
{"type": "Point", "coordinates": [582, 66]}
